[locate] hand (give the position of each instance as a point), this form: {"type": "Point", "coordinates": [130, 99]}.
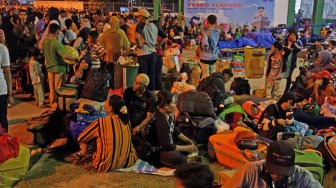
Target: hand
{"type": "Point", "coordinates": [10, 100]}
{"type": "Point", "coordinates": [189, 142]}
{"type": "Point", "coordinates": [136, 130]}
{"type": "Point", "coordinates": [318, 82]}
{"type": "Point", "coordinates": [192, 148]}
{"type": "Point", "coordinates": [281, 122]}
{"type": "Point", "coordinates": [83, 52]}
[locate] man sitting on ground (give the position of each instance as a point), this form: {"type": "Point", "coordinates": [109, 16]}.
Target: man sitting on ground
{"type": "Point", "coordinates": [278, 170]}
{"type": "Point", "coordinates": [195, 175]}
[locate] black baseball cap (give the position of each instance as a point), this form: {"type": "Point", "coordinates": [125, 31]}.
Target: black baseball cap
{"type": "Point", "coordinates": [280, 158]}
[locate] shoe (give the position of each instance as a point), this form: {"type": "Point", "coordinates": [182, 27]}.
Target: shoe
{"type": "Point", "coordinates": [43, 106]}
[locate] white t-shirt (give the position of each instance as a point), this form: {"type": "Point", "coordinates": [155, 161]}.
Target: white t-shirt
{"type": "Point", "coordinates": [4, 61]}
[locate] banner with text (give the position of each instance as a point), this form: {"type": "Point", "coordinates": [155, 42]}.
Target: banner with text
{"type": "Point", "coordinates": [258, 13]}
{"type": "Point", "coordinates": [60, 4]}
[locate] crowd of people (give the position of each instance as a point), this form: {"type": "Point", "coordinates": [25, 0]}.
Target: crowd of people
{"type": "Point", "coordinates": [102, 38]}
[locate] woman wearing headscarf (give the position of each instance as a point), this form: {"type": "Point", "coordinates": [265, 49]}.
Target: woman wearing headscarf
{"type": "Point", "coordinates": [113, 138]}
{"type": "Point", "coordinates": [114, 40]}
{"type": "Point", "coordinates": [323, 62]}
{"type": "Point", "coordinates": [277, 116]}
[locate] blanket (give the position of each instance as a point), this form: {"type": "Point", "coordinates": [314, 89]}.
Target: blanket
{"type": "Point", "coordinates": [144, 167]}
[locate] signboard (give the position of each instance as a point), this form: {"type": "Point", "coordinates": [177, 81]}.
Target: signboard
{"type": "Point", "coordinates": [307, 7]}
{"type": "Point", "coordinates": [259, 13]}
{"type": "Point", "coordinates": [60, 4]}
{"type": "Point", "coordinates": [329, 11]}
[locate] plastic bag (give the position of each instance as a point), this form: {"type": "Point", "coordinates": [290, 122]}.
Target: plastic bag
{"type": "Point", "coordinates": [9, 147]}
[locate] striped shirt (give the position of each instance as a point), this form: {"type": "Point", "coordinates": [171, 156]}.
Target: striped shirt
{"type": "Point", "coordinates": [114, 147]}
{"type": "Point", "coordinates": [96, 52]}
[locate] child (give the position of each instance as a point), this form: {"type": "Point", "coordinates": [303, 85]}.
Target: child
{"type": "Point", "coordinates": [36, 76]}
{"type": "Point", "coordinates": [274, 71]}
{"type": "Point", "coordinates": [95, 50]}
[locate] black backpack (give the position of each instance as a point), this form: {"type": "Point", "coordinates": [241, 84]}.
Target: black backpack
{"type": "Point", "coordinates": [195, 102]}
{"type": "Point", "coordinates": [148, 150]}
{"type": "Point", "coordinates": [208, 86]}
{"type": "Point", "coordinates": [23, 81]}
{"type": "Point", "coordinates": [97, 85]}
{"type": "Point", "coordinates": [240, 86]}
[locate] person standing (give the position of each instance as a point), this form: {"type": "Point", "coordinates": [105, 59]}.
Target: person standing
{"type": "Point", "coordinates": [6, 95]}
{"type": "Point", "coordinates": [146, 36]}
{"type": "Point", "coordinates": [54, 53]}
{"type": "Point", "coordinates": [36, 76]}
{"type": "Point", "coordinates": [24, 31]}
{"type": "Point", "coordinates": [292, 46]}
{"type": "Point", "coordinates": [209, 51]}
{"type": "Point", "coordinates": [273, 72]}
{"type": "Point", "coordinates": [278, 170]}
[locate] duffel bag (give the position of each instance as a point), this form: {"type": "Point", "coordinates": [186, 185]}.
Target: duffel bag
{"type": "Point", "coordinates": [87, 118]}
{"type": "Point", "coordinates": [86, 106]}
{"type": "Point", "coordinates": [14, 169]}
{"type": "Point", "coordinates": [76, 128]}
{"type": "Point", "coordinates": [312, 161]}
{"type": "Point", "coordinates": [327, 151]}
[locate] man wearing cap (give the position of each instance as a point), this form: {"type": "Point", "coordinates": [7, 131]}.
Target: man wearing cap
{"type": "Point", "coordinates": [140, 103]}
{"type": "Point", "coordinates": [278, 170]}
{"type": "Point", "coordinates": [146, 36]}
{"type": "Point", "coordinates": [323, 87]}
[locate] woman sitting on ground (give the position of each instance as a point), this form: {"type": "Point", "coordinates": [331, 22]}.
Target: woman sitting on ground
{"type": "Point", "coordinates": [172, 143]}
{"type": "Point", "coordinates": [300, 113]}
{"type": "Point", "coordinates": [322, 87]}
{"type": "Point", "coordinates": [113, 138]}
{"type": "Point", "coordinates": [277, 116]}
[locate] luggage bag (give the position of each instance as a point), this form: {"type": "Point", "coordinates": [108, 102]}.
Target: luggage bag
{"type": "Point", "coordinates": [14, 169]}
{"type": "Point", "coordinates": [228, 154]}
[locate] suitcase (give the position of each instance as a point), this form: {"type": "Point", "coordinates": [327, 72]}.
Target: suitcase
{"type": "Point", "coordinates": [65, 97]}
{"type": "Point", "coordinates": [254, 62]}
{"type": "Point", "coordinates": [228, 154]}
{"type": "Point", "coordinates": [12, 170]}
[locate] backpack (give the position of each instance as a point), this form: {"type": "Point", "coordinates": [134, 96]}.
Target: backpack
{"type": "Point", "coordinates": [240, 86]}
{"type": "Point", "coordinates": [312, 161]}
{"type": "Point", "coordinates": [147, 134]}
{"type": "Point", "coordinates": [97, 85]}
{"type": "Point", "coordinates": [198, 128]}
{"type": "Point", "coordinates": [23, 81]}
{"type": "Point", "coordinates": [208, 86]}
{"type": "Point", "coordinates": [328, 151]}
{"type": "Point", "coordinates": [195, 102]}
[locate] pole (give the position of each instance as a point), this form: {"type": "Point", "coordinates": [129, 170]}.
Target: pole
{"type": "Point", "coordinates": [156, 9]}
{"type": "Point", "coordinates": [179, 9]}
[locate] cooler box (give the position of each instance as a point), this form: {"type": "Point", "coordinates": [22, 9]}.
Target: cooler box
{"type": "Point", "coordinates": [228, 154]}
{"type": "Point", "coordinates": [65, 97]}
{"type": "Point", "coordinates": [254, 62]}
{"type": "Point", "coordinates": [124, 75]}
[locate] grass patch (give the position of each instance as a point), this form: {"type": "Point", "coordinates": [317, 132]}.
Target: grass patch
{"type": "Point", "coordinates": [52, 170]}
